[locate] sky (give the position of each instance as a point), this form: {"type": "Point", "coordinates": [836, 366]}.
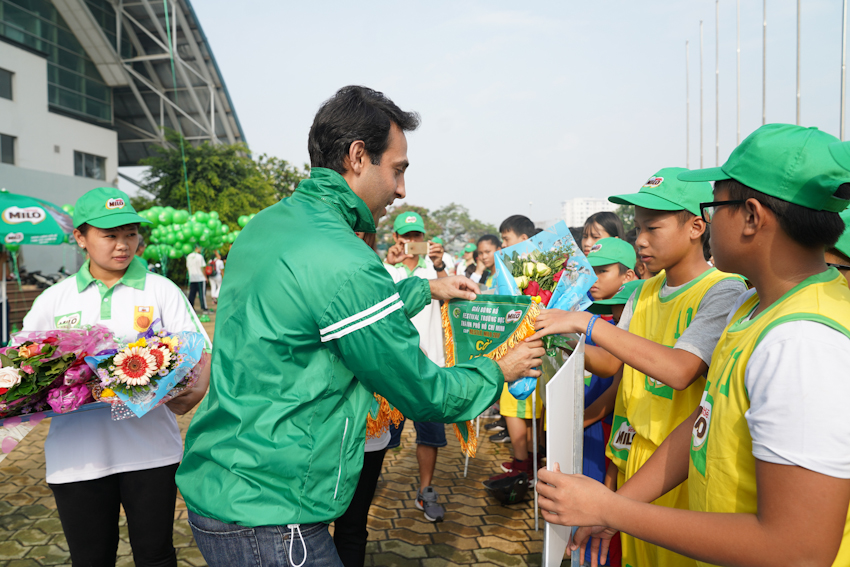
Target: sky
{"type": "Point", "coordinates": [526, 105]}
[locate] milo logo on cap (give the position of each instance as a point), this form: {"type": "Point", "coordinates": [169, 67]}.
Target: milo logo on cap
{"type": "Point", "coordinates": [410, 220]}
{"type": "Point", "coordinates": [14, 238]}
{"type": "Point", "coordinates": [17, 215]}
{"type": "Point", "coordinates": [513, 316]}
{"type": "Point", "coordinates": [117, 203]}
{"type": "Point", "coordinates": [653, 182]}
{"type": "Point", "coordinates": [595, 248]}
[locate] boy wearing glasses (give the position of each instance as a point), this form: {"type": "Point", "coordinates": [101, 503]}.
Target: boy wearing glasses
{"type": "Point", "coordinates": [664, 339]}
{"type": "Point", "coordinates": [766, 454]}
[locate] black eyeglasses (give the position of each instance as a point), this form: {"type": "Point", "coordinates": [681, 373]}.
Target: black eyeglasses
{"type": "Point", "coordinates": [838, 266]}
{"type": "Point", "coordinates": [707, 209]}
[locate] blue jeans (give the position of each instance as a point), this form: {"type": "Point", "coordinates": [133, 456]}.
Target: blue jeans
{"type": "Point", "coordinates": [229, 545]}
{"type": "Point", "coordinates": [428, 433]}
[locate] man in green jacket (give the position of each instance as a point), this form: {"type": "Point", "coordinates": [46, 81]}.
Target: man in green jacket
{"type": "Point", "coordinates": [309, 324]}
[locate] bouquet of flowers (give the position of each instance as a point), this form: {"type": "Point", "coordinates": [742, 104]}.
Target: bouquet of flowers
{"type": "Point", "coordinates": [142, 375]}
{"type": "Point", "coordinates": [47, 369]}
{"type": "Point", "coordinates": [551, 269]}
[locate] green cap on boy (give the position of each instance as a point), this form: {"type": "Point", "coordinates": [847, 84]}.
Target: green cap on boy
{"type": "Point", "coordinates": [105, 207]}
{"type": "Point", "coordinates": [612, 251]}
{"type": "Point", "coordinates": [408, 221]}
{"type": "Point", "coordinates": [603, 306]}
{"type": "Point", "coordinates": [665, 192]}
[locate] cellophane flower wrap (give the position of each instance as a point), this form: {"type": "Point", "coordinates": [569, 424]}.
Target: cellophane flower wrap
{"type": "Point", "coordinates": [551, 269]}
{"type": "Point", "coordinates": [144, 374]}
{"type": "Point", "coordinates": [46, 369]}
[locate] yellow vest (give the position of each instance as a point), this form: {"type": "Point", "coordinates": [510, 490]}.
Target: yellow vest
{"type": "Point", "coordinates": [644, 406]}
{"type": "Point", "coordinates": [722, 470]}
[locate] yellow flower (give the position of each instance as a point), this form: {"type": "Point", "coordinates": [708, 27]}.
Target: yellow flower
{"type": "Point", "coordinates": [543, 269]}
{"type": "Point", "coordinates": [170, 342]}
{"type": "Point", "coordinates": [107, 393]}
{"type": "Point", "coordinates": [521, 282]}
{"type": "Point", "coordinates": [139, 343]}
{"type": "Point", "coordinates": [528, 269]}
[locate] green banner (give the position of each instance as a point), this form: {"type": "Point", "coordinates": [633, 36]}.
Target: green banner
{"type": "Point", "coordinates": [481, 326]}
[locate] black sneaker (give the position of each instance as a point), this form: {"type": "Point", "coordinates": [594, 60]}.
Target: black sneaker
{"type": "Point", "coordinates": [496, 426]}
{"type": "Point", "coordinates": [501, 437]}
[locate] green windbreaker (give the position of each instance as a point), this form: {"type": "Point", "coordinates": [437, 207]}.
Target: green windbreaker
{"type": "Point", "coordinates": [309, 324]}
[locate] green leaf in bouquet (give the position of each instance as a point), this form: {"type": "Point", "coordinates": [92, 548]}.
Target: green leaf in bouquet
{"type": "Point", "coordinates": [6, 360]}
{"type": "Point", "coordinates": [553, 342]}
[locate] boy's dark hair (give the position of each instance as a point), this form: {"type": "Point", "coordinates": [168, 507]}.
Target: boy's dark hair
{"type": "Point", "coordinates": [840, 254]}
{"type": "Point", "coordinates": [492, 238]}
{"type": "Point", "coordinates": [355, 113]}
{"type": "Point", "coordinates": [807, 227]}
{"type": "Point", "coordinates": [609, 222]}
{"type": "Point", "coordinates": [623, 268]}
{"type": "Point", "coordinates": [535, 232]}
{"type": "Point", "coordinates": [518, 224]}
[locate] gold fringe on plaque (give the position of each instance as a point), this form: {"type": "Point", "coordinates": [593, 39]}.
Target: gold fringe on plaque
{"type": "Point", "coordinates": [386, 414]}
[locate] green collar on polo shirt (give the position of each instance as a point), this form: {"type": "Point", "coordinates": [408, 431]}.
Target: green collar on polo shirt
{"type": "Point", "coordinates": [133, 277]}
{"type": "Point", "coordinates": [420, 264]}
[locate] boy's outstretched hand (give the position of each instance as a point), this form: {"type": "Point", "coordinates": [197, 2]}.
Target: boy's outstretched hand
{"type": "Point", "coordinates": [559, 322]}
{"type": "Point", "coordinates": [576, 500]}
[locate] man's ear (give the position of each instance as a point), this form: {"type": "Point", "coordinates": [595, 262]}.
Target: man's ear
{"type": "Point", "coordinates": [357, 156]}
{"type": "Point", "coordinates": [395, 237]}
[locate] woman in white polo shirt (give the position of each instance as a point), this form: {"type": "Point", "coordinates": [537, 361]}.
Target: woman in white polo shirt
{"type": "Point", "coordinates": [94, 464]}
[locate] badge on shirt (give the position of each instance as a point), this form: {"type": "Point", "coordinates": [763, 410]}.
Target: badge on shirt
{"type": "Point", "coordinates": [142, 317]}
{"type": "Point", "coordinates": [69, 321]}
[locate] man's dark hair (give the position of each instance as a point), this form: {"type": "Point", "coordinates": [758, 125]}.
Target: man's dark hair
{"type": "Point", "coordinates": [518, 224]}
{"type": "Point", "coordinates": [807, 227]}
{"type": "Point", "coordinates": [492, 238]}
{"type": "Point", "coordinates": [355, 113]}
{"type": "Point", "coordinates": [609, 222]}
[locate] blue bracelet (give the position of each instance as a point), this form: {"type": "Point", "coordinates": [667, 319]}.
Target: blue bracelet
{"type": "Point", "coordinates": [589, 332]}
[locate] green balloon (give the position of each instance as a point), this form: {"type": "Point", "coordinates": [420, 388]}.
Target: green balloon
{"type": "Point", "coordinates": [197, 229]}
{"type": "Point", "coordinates": [251, 216]}
{"type": "Point", "coordinates": [242, 220]}
{"type": "Point", "coordinates": [174, 253]}
{"type": "Point", "coordinates": [181, 216]}
{"type": "Point", "coordinates": [201, 216]}
{"type": "Point", "coordinates": [212, 223]}
{"type": "Point", "coordinates": [224, 229]}
{"type": "Point", "coordinates": [186, 248]}
{"type": "Point", "coordinates": [213, 214]}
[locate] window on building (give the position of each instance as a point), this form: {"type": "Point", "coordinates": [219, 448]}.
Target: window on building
{"type": "Point", "coordinates": [6, 84]}
{"type": "Point", "coordinates": [7, 149]}
{"type": "Point", "coordinates": [87, 165]}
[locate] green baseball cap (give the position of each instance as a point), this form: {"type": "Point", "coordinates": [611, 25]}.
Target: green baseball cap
{"type": "Point", "coordinates": [664, 191]}
{"type": "Point", "coordinates": [470, 248]}
{"type": "Point", "coordinates": [611, 251]}
{"type": "Point", "coordinates": [437, 240]}
{"type": "Point", "coordinates": [843, 244]}
{"type": "Point", "coordinates": [603, 306]}
{"type": "Point", "coordinates": [799, 165]}
{"type": "Point", "coordinates": [105, 207]}
{"type": "Point", "coordinates": [408, 221]}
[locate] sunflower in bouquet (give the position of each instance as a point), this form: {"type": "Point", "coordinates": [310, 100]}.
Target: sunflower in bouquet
{"type": "Point", "coordinates": [136, 369]}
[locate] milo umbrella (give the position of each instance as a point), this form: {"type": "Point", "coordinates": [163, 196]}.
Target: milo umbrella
{"type": "Point", "coordinates": [27, 220]}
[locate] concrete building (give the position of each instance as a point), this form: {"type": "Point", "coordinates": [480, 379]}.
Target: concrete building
{"type": "Point", "coordinates": [74, 107]}
{"type": "Point", "coordinates": [577, 210]}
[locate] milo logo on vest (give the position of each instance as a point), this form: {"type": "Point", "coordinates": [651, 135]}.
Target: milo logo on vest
{"type": "Point", "coordinates": [14, 238]}
{"type": "Point", "coordinates": [117, 203]}
{"type": "Point", "coordinates": [657, 388]}
{"type": "Point", "coordinates": [699, 435]}
{"type": "Point", "coordinates": [17, 215]}
{"type": "Point", "coordinates": [69, 321]}
{"type": "Point", "coordinates": [622, 435]}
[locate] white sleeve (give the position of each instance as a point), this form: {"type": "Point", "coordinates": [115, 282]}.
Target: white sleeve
{"type": "Point", "coordinates": [628, 311]}
{"type": "Point", "coordinates": [41, 315]}
{"type": "Point", "coordinates": [475, 276]}
{"type": "Point", "coordinates": [744, 296]}
{"type": "Point", "coordinates": [798, 387]}
{"type": "Point", "coordinates": [177, 315]}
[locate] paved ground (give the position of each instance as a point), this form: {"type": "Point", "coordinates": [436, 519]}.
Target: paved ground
{"type": "Point", "coordinates": [476, 530]}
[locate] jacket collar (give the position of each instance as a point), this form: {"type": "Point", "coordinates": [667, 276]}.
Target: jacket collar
{"type": "Point", "coordinates": [330, 187]}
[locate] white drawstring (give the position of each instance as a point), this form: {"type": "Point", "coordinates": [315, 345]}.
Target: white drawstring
{"type": "Point", "coordinates": [292, 528]}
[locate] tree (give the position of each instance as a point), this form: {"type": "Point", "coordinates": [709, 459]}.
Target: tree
{"type": "Point", "coordinates": [221, 177]}
{"type": "Point", "coordinates": [627, 215]}
{"type": "Point", "coordinates": [458, 228]}
{"type": "Point", "coordinates": [284, 176]}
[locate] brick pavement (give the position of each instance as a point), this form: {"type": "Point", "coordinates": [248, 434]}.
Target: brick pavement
{"type": "Point", "coordinates": [476, 531]}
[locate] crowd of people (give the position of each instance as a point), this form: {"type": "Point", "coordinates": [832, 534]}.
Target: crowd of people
{"type": "Point", "coordinates": [714, 431]}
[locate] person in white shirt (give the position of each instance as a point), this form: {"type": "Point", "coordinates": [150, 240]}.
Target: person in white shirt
{"type": "Point", "coordinates": [195, 265]}
{"type": "Point", "coordinates": [466, 259]}
{"type": "Point", "coordinates": [96, 465]}
{"type": "Point", "coordinates": [215, 277]}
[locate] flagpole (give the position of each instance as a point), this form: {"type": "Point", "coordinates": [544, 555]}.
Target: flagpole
{"type": "Point", "coordinates": [700, 95]}
{"type": "Point", "coordinates": [688, 106]}
{"type": "Point", "coordinates": [717, 82]}
{"type": "Point", "coordinates": [843, 66]}
{"type": "Point", "coordinates": [798, 62]}
{"type": "Point", "coordinates": [764, 66]}
{"type": "Point", "coordinates": [738, 82]}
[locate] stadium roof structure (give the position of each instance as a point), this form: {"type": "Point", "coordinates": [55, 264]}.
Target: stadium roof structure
{"type": "Point", "coordinates": [145, 98]}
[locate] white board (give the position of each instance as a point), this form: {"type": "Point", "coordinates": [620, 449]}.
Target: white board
{"type": "Point", "coordinates": [564, 442]}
